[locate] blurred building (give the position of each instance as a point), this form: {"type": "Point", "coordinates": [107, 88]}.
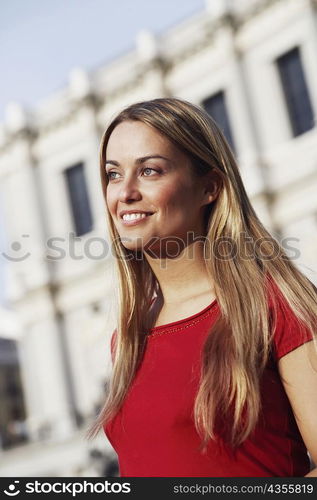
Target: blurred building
{"type": "Point", "coordinates": [252, 65]}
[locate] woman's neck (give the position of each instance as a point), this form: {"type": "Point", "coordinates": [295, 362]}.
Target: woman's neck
{"type": "Point", "coordinates": [184, 277]}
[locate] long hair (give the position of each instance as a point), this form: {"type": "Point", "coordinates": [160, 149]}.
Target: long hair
{"type": "Point", "coordinates": [239, 343]}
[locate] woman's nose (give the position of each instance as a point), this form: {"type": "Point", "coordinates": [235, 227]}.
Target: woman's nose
{"type": "Point", "coordinates": [129, 191]}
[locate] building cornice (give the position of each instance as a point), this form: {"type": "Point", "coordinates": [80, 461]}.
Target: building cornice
{"type": "Point", "coordinates": [207, 27]}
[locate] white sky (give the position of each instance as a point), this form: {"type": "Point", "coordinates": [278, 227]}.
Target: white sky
{"type": "Point", "coordinates": [42, 40]}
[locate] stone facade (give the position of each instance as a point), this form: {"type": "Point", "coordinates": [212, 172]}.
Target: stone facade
{"type": "Point", "coordinates": [66, 306]}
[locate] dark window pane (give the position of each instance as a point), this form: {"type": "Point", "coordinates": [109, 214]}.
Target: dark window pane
{"type": "Point", "coordinates": [8, 352]}
{"type": "Point", "coordinates": [295, 92]}
{"type": "Point", "coordinates": [77, 189]}
{"type": "Point", "coordinates": [13, 428]}
{"type": "Point", "coordinates": [217, 109]}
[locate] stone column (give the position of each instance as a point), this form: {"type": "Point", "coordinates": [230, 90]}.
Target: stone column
{"type": "Point", "coordinates": [47, 396]}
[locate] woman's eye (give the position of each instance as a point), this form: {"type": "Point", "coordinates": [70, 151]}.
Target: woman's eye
{"type": "Point", "coordinates": [111, 175]}
{"type": "Point", "coordinates": [149, 168]}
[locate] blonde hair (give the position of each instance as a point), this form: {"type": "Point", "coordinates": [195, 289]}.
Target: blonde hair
{"type": "Point", "coordinates": [232, 363]}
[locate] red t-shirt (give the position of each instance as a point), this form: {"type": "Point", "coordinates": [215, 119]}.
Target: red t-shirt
{"type": "Point", "coordinates": [154, 432]}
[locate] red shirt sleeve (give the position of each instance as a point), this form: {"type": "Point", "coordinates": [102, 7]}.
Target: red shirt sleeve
{"type": "Point", "coordinates": [290, 332]}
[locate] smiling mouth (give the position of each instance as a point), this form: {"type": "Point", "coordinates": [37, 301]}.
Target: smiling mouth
{"type": "Point", "coordinates": [132, 217]}
{"type": "Point", "coordinates": [135, 221]}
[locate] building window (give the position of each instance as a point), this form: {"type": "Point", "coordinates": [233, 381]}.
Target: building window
{"type": "Point", "coordinates": [78, 195]}
{"type": "Point", "coordinates": [295, 91]}
{"type": "Point", "coordinates": [217, 109]}
{"type": "Point", "coordinates": [13, 427]}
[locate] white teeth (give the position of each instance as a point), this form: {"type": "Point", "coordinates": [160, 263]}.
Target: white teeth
{"type": "Point", "coordinates": [133, 216]}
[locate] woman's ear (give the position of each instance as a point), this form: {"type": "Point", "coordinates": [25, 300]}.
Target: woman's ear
{"type": "Point", "coordinates": [212, 186]}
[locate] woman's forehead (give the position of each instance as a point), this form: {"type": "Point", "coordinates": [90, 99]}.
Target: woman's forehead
{"type": "Point", "coordinates": [135, 138]}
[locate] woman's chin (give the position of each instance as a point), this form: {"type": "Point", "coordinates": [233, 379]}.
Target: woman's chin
{"type": "Point", "coordinates": [132, 244]}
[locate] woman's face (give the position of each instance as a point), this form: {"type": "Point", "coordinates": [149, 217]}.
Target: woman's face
{"type": "Point", "coordinates": [148, 174]}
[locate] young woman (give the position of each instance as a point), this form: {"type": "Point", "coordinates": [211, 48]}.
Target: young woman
{"type": "Point", "coordinates": [214, 355]}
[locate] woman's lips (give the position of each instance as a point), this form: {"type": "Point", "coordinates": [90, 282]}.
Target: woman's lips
{"type": "Point", "coordinates": [134, 222]}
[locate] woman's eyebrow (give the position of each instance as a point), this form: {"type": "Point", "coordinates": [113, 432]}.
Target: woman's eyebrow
{"type": "Point", "coordinates": [149, 157]}
{"type": "Point", "coordinates": [140, 160]}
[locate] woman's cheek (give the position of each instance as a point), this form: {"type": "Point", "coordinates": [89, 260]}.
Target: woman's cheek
{"type": "Point", "coordinates": [110, 201]}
